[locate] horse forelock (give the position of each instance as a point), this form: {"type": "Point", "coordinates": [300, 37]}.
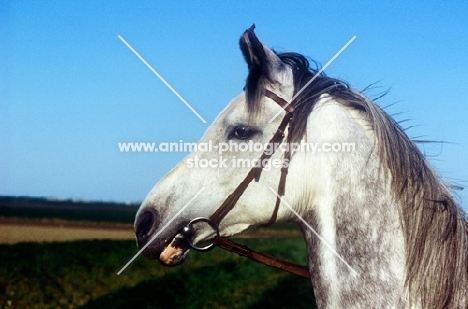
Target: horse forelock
{"type": "Point", "coordinates": [435, 228]}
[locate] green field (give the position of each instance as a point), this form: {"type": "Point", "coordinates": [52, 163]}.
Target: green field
{"type": "Point", "coordinates": [82, 274]}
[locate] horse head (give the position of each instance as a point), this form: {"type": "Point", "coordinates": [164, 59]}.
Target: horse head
{"type": "Point", "coordinates": [226, 153]}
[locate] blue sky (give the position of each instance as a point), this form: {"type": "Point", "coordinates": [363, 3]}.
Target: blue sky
{"type": "Point", "coordinates": [71, 90]}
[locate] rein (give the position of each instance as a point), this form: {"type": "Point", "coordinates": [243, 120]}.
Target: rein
{"type": "Point", "coordinates": [232, 199]}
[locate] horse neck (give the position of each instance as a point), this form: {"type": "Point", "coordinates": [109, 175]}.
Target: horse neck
{"type": "Point", "coordinates": [358, 261]}
{"type": "Point", "coordinates": [366, 268]}
{"type": "Point", "coordinates": [408, 249]}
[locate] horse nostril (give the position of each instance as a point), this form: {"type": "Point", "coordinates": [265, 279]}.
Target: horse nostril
{"type": "Point", "coordinates": [145, 222]}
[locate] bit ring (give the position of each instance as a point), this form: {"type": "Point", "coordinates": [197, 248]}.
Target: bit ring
{"type": "Point", "coordinates": [188, 229]}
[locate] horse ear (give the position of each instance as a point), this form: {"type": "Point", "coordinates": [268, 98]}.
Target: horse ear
{"type": "Point", "coordinates": [264, 66]}
{"type": "Point", "coordinates": [260, 59]}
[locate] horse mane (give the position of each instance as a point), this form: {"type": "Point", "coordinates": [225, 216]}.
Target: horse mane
{"type": "Point", "coordinates": [435, 229]}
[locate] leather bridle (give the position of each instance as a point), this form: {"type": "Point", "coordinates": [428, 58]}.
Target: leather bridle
{"type": "Point", "coordinates": [232, 199]}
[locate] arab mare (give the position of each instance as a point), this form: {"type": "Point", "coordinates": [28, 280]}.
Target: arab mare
{"type": "Point", "coordinates": [382, 231]}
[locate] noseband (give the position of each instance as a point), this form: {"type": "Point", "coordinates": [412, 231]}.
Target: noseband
{"type": "Point", "coordinates": [232, 199]}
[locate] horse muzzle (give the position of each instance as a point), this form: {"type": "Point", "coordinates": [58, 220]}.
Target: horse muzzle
{"type": "Point", "coordinates": [170, 251]}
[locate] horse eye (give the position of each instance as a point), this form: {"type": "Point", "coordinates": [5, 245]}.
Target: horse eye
{"type": "Point", "coordinates": [241, 132]}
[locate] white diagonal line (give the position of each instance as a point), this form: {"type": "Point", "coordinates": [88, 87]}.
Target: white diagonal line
{"type": "Point", "coordinates": [162, 79]}
{"type": "Point", "coordinates": [313, 231]}
{"type": "Point", "coordinates": [161, 230]}
{"type": "Point", "coordinates": [315, 76]}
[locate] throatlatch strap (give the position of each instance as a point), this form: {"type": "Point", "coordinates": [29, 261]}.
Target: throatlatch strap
{"type": "Point", "coordinates": [281, 187]}
{"type": "Point", "coordinates": [287, 157]}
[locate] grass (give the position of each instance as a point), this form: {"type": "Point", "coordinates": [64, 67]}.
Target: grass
{"type": "Point", "coordinates": [82, 274]}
